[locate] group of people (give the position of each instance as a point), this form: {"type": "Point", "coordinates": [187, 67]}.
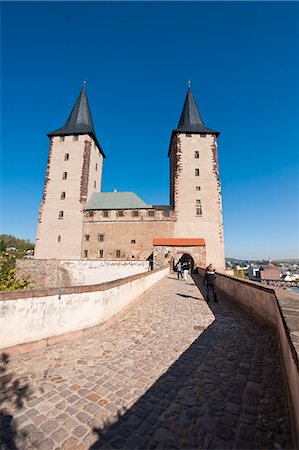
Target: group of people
{"type": "Point", "coordinates": [182, 270]}
{"type": "Point", "coordinates": [209, 281]}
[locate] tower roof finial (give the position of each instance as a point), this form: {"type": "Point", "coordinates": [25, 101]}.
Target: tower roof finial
{"type": "Point", "coordinates": [189, 84]}
{"type": "Point", "coordinates": [84, 83]}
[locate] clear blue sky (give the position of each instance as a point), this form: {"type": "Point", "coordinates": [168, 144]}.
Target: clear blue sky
{"type": "Point", "coordinates": [242, 59]}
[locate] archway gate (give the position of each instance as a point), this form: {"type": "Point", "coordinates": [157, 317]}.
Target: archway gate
{"type": "Point", "coordinates": [168, 251]}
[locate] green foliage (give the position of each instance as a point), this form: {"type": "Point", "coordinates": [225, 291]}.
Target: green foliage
{"type": "Point", "coordinates": [9, 281]}
{"type": "Point", "coordinates": [12, 248]}
{"type": "Point", "coordinates": [240, 273]}
{"type": "Point", "coordinates": [16, 246]}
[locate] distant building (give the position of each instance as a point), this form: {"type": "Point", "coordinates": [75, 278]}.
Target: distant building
{"type": "Point", "coordinates": [268, 272]}
{"type": "Point", "coordinates": [78, 221]}
{"type": "Point", "coordinates": [252, 272]}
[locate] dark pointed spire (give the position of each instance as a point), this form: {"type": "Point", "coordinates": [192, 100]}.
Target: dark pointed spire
{"type": "Point", "coordinates": [80, 120]}
{"type": "Point", "coordinates": [191, 120]}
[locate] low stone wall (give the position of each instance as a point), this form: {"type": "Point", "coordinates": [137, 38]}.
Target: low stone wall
{"type": "Point", "coordinates": [61, 273]}
{"type": "Point", "coordinates": [280, 309]}
{"type": "Point", "coordinates": [43, 314]}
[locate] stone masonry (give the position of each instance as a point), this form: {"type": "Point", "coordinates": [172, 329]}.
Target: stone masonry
{"type": "Point", "coordinates": [170, 372]}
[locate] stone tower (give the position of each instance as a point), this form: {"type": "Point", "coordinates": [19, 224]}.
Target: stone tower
{"type": "Point", "coordinates": [74, 172]}
{"type": "Point", "coordinates": [195, 192]}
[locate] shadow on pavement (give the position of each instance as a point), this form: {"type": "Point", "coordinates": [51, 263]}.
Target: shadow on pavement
{"type": "Point", "coordinates": [225, 391]}
{"type": "Point", "coordinates": [12, 395]}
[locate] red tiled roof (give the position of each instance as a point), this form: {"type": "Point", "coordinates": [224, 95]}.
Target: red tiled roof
{"type": "Point", "coordinates": [180, 242]}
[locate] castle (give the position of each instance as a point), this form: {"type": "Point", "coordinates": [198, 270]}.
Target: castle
{"type": "Point", "coordinates": [78, 221]}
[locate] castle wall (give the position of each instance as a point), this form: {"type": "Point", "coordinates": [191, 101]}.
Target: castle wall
{"type": "Point", "coordinates": [170, 255]}
{"type": "Point", "coordinates": [184, 182]}
{"type": "Point", "coordinates": [50, 273]}
{"type": "Point", "coordinates": [61, 238]}
{"type": "Point", "coordinates": [119, 232]}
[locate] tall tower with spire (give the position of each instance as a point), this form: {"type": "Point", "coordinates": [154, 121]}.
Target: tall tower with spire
{"type": "Point", "coordinates": [195, 191]}
{"type": "Point", "coordinates": [74, 172]}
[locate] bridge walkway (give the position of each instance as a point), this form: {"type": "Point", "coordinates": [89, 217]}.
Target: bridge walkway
{"type": "Point", "coordinates": [171, 372]}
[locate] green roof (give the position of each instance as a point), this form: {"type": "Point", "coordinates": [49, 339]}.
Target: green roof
{"type": "Point", "coordinates": [115, 200]}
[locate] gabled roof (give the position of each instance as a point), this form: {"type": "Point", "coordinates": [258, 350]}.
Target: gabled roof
{"type": "Point", "coordinates": [191, 120]}
{"type": "Point", "coordinates": [115, 200]}
{"type": "Point", "coordinates": [79, 121]}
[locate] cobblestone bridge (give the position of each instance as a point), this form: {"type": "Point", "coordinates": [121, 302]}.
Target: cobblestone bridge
{"type": "Point", "coordinates": [171, 372]}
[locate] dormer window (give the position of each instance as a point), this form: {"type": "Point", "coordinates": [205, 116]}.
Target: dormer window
{"type": "Point", "coordinates": [203, 135]}
{"type": "Point", "coordinates": [188, 135]}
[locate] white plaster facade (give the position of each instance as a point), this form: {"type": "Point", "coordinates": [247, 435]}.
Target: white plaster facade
{"type": "Point", "coordinates": [189, 155]}
{"type": "Point", "coordinates": [62, 238]}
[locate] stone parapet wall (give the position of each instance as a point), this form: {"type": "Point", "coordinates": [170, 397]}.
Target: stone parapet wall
{"type": "Point", "coordinates": [50, 273]}
{"type": "Point", "coordinates": [42, 316]}
{"type": "Point", "coordinates": [279, 309]}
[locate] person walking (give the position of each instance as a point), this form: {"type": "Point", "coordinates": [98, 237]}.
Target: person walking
{"type": "Point", "coordinates": [185, 270]}
{"type": "Point", "coordinates": [179, 270]}
{"type": "Point", "coordinates": [210, 282]}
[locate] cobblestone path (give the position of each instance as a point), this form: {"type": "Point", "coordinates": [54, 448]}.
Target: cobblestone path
{"type": "Point", "coordinates": [172, 372]}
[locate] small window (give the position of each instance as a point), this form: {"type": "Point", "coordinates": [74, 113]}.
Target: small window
{"type": "Point", "coordinates": [120, 214]}
{"type": "Point", "coordinates": [96, 167]}
{"type": "Point", "coordinates": [151, 213]}
{"type": "Point", "coordinates": [90, 213]}
{"type": "Point", "coordinates": [85, 253]}
{"type": "Point", "coordinates": [59, 238]}
{"type": "Point", "coordinates": [105, 213]}
{"type": "Point", "coordinates": [198, 188]}
{"type": "Point", "coordinates": [101, 253]}
{"type": "Point", "coordinates": [133, 256]}
{"type": "Point", "coordinates": [87, 237]}
{"type": "Point", "coordinates": [118, 253]}
{"type": "Point", "coordinates": [61, 138]}
{"type": "Point", "coordinates": [60, 215]}
{"type": "Point", "coordinates": [197, 172]}
{"type": "Point", "coordinates": [133, 241]}
{"type": "Point", "coordinates": [166, 213]}
{"type": "Point", "coordinates": [64, 175]}
{"type": "Point", "coordinates": [94, 184]}
{"type": "Point", "coordinates": [198, 208]}
{"type": "Point", "coordinates": [203, 135]}
{"type": "Point", "coordinates": [62, 195]}
{"type": "Point", "coordinates": [135, 213]}
{"type": "Point", "coordinates": [66, 156]}
{"type": "Point", "coordinates": [75, 137]}
{"type": "Point", "coordinates": [101, 238]}
{"type": "Point", "coordinates": [196, 154]}
{"type": "Point", "coordinates": [188, 135]}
